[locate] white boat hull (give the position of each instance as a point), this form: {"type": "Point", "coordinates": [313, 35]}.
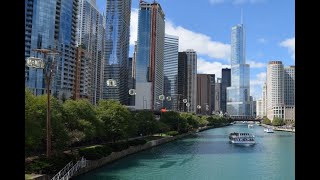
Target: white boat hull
{"type": "Point", "coordinates": [243, 143]}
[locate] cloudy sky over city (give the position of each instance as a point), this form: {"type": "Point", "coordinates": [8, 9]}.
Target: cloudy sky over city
{"type": "Point", "coordinates": [205, 26]}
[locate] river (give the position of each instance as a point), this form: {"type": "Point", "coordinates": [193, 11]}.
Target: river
{"type": "Point", "coordinates": [209, 155]}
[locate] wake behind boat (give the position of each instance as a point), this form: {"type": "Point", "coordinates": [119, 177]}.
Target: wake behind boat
{"type": "Point", "coordinates": [244, 139]}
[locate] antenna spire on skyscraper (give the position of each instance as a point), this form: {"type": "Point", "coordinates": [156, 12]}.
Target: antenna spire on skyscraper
{"type": "Point", "coordinates": [241, 16]}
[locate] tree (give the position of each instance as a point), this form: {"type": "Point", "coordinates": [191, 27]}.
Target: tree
{"type": "Point", "coordinates": [202, 121]}
{"type": "Point", "coordinates": [191, 119]}
{"type": "Point", "coordinates": [266, 121]}
{"type": "Point", "coordinates": [174, 121]}
{"type": "Point", "coordinates": [277, 121]}
{"type": "Point", "coordinates": [35, 124]}
{"type": "Point", "coordinates": [33, 128]}
{"type": "Point", "coordinates": [116, 119]}
{"type": "Point", "coordinates": [81, 116]}
{"type": "Point", "coordinates": [146, 123]}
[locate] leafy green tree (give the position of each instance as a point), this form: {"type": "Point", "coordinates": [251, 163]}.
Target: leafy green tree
{"type": "Point", "coordinates": [277, 121]}
{"type": "Point", "coordinates": [36, 111]}
{"type": "Point", "coordinates": [175, 122]}
{"type": "Point", "coordinates": [162, 127]}
{"type": "Point", "coordinates": [266, 120]}
{"type": "Point", "coordinates": [33, 128]}
{"type": "Point", "coordinates": [116, 119]}
{"type": "Point", "coordinates": [202, 121]}
{"type": "Point", "coordinates": [146, 123]}
{"type": "Point", "coordinates": [191, 119]}
{"type": "Point", "coordinates": [81, 116]}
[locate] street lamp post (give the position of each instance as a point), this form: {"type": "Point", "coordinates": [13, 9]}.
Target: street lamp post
{"type": "Point", "coordinates": [48, 72]}
{"type": "Point", "coordinates": [198, 107]}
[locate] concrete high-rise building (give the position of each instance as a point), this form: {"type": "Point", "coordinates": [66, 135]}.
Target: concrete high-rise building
{"type": "Point", "coordinates": [253, 110]}
{"type": "Point", "coordinates": [264, 100]}
{"type": "Point", "coordinates": [218, 96]}
{"type": "Point", "coordinates": [204, 93]}
{"type": "Point", "coordinates": [259, 108]}
{"type": "Point", "coordinates": [50, 25]}
{"type": "Point", "coordinates": [225, 82]}
{"type": "Point", "coordinates": [238, 103]}
{"type": "Point", "coordinates": [280, 91]}
{"type": "Point", "coordinates": [90, 36]}
{"type": "Point", "coordinates": [116, 50]}
{"type": "Point", "coordinates": [289, 86]}
{"type": "Point", "coordinates": [131, 81]}
{"type": "Point", "coordinates": [191, 79]}
{"type": "Point", "coordinates": [150, 55]}
{"type": "Point", "coordinates": [182, 80]}
{"type": "Point", "coordinates": [170, 70]}
{"type": "Point", "coordinates": [275, 90]}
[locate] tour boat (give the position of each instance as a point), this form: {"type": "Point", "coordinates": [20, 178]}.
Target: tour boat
{"type": "Point", "coordinates": [250, 125]}
{"type": "Point", "coordinates": [244, 139]}
{"type": "Point", "coordinates": [268, 130]}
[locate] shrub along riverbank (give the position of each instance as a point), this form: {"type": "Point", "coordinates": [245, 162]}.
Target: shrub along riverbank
{"type": "Point", "coordinates": [97, 129]}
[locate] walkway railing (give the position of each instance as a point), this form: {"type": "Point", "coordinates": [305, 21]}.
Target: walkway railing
{"type": "Point", "coordinates": [63, 171]}
{"type": "Point", "coordinates": [80, 164]}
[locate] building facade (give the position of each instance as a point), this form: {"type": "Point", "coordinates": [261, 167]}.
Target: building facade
{"type": "Point", "coordinates": [238, 103]}
{"type": "Point", "coordinates": [264, 100]}
{"type": "Point", "coordinates": [170, 70]}
{"type": "Point", "coordinates": [191, 80]}
{"type": "Point", "coordinates": [90, 36]}
{"type": "Point", "coordinates": [150, 55]}
{"type": "Point", "coordinates": [225, 82]}
{"type": "Point", "coordinates": [280, 91]}
{"type": "Point", "coordinates": [182, 80]}
{"type": "Point", "coordinates": [259, 108]}
{"type": "Point", "coordinates": [204, 93]}
{"type": "Point", "coordinates": [116, 50]}
{"type": "Point", "coordinates": [51, 25]}
{"type": "Point", "coordinates": [218, 96]}
{"type": "Point", "coordinates": [131, 81]}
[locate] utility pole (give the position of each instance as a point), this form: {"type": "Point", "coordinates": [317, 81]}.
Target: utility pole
{"type": "Point", "coordinates": [48, 72]}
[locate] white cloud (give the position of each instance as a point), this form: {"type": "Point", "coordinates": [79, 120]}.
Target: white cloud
{"type": "Point", "coordinates": [254, 64]}
{"type": "Point", "coordinates": [256, 85]}
{"type": "Point", "coordinates": [134, 26]}
{"type": "Point", "coordinates": [262, 40]}
{"type": "Point", "coordinates": [188, 39]}
{"type": "Point", "coordinates": [260, 79]}
{"type": "Point", "coordinates": [235, 2]}
{"type": "Point", "coordinates": [217, 1]}
{"type": "Point", "coordinates": [207, 67]}
{"type": "Point", "coordinates": [201, 43]}
{"type": "Point", "coordinates": [290, 44]}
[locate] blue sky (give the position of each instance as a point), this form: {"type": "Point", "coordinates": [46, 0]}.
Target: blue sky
{"type": "Point", "coordinates": [205, 25]}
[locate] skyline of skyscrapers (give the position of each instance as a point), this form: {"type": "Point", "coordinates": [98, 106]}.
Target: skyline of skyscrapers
{"type": "Point", "coordinates": [238, 102]}
{"type": "Point", "coordinates": [150, 56]}
{"type": "Point", "coordinates": [95, 48]}
{"type": "Point", "coordinates": [116, 50]}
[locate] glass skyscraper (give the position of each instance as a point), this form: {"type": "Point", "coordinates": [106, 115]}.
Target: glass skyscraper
{"type": "Point", "coordinates": [117, 49]}
{"type": "Point", "coordinates": [51, 25]}
{"type": "Point", "coordinates": [149, 62]}
{"type": "Point", "coordinates": [170, 70]}
{"type": "Point", "coordinates": [238, 101]}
